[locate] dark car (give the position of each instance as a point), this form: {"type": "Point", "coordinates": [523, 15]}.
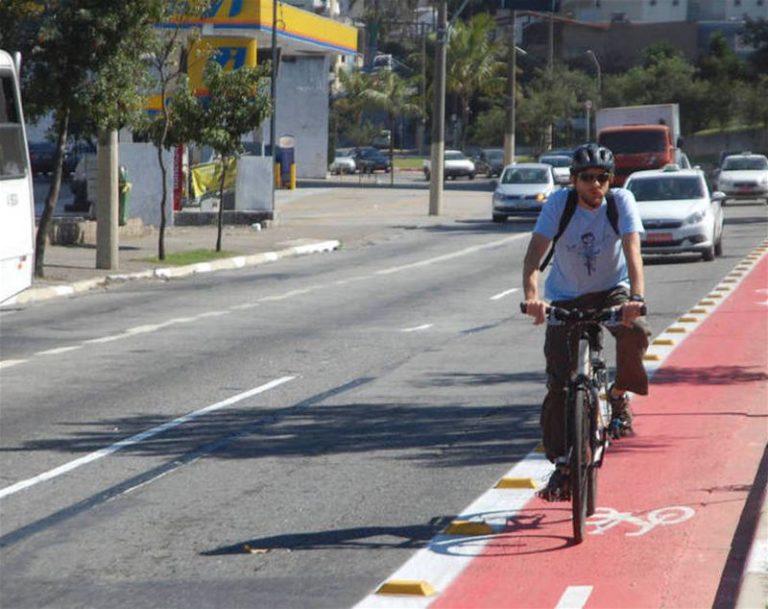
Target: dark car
{"type": "Point", "coordinates": [371, 159]}
{"type": "Point", "coordinates": [41, 157]}
{"type": "Point", "coordinates": [75, 152]}
{"type": "Point", "coordinates": [489, 161]}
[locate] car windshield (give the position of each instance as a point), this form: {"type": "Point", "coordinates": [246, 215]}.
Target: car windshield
{"type": "Point", "coordinates": [667, 188]}
{"type": "Point", "coordinates": [494, 155]}
{"type": "Point", "coordinates": [454, 156]}
{"type": "Point", "coordinates": [633, 142]}
{"type": "Point", "coordinates": [525, 175]}
{"type": "Point", "coordinates": [745, 163]}
{"type": "Point", "coordinates": [556, 161]}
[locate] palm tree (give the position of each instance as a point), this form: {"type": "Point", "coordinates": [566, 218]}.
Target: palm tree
{"type": "Point", "coordinates": [394, 96]}
{"type": "Point", "coordinates": [472, 61]}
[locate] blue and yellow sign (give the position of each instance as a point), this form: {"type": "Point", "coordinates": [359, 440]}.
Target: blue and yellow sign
{"type": "Point", "coordinates": [230, 53]}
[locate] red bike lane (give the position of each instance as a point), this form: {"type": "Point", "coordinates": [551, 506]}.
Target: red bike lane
{"type": "Point", "coordinates": [670, 498]}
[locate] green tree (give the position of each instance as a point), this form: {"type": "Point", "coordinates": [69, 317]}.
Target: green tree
{"type": "Point", "coordinates": [755, 34]}
{"type": "Point", "coordinates": [396, 97]}
{"type": "Point", "coordinates": [472, 61]}
{"type": "Point", "coordinates": [166, 58]}
{"type": "Point", "coordinates": [237, 102]}
{"type": "Point", "coordinates": [722, 70]}
{"type": "Point", "coordinates": [84, 53]}
{"type": "Point", "coordinates": [349, 105]}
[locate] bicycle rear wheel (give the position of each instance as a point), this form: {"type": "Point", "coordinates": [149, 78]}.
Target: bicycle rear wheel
{"type": "Point", "coordinates": [579, 429]}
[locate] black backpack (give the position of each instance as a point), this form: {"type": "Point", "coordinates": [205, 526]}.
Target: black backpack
{"type": "Point", "coordinates": [570, 209]}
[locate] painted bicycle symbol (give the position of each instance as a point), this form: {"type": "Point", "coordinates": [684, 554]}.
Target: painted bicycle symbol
{"type": "Point", "coordinates": [605, 519]}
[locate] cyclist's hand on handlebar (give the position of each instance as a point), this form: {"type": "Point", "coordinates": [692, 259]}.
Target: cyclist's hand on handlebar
{"type": "Point", "coordinates": [536, 309]}
{"type": "Point", "coordinates": [630, 311]}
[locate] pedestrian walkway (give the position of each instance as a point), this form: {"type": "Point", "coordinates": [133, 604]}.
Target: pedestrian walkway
{"type": "Point", "coordinates": [308, 220]}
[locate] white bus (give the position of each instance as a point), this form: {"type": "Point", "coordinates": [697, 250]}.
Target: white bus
{"type": "Point", "coordinates": [17, 205]}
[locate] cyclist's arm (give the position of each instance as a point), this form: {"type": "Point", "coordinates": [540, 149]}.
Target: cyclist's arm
{"type": "Point", "coordinates": [631, 245]}
{"type": "Point", "coordinates": [537, 247]}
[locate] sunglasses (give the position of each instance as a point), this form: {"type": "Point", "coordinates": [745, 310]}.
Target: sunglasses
{"type": "Point", "coordinates": [591, 177]}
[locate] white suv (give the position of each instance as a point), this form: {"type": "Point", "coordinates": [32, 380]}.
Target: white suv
{"type": "Point", "coordinates": [679, 213]}
{"type": "Point", "coordinates": [744, 176]}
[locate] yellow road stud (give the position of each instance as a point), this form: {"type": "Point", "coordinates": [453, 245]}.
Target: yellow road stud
{"type": "Point", "coordinates": [687, 320]}
{"type": "Point", "coordinates": [407, 586]}
{"type": "Point", "coordinates": [723, 288]}
{"type": "Point", "coordinates": [651, 357]}
{"type": "Point", "coordinates": [706, 303]}
{"type": "Point", "coordinates": [677, 330]}
{"type": "Point", "coordinates": [699, 311]}
{"type": "Point", "coordinates": [468, 527]}
{"type": "Point", "coordinates": [516, 482]}
{"type": "Point", "coordinates": [663, 341]}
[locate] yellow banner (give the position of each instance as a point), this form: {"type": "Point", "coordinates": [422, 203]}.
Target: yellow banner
{"type": "Point", "coordinates": [206, 177]}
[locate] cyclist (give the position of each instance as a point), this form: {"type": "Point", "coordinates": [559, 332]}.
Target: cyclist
{"type": "Point", "coordinates": [595, 267]}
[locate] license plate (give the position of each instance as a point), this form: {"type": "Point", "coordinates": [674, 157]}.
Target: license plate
{"type": "Point", "coordinates": [658, 237]}
{"type": "Point", "coordinates": [745, 189]}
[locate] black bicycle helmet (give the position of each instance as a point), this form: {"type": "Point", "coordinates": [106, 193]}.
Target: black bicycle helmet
{"type": "Point", "coordinates": [592, 155]}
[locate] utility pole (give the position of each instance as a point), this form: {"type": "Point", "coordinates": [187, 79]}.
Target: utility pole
{"type": "Point", "coordinates": [273, 99]}
{"type": "Point", "coordinates": [438, 114]}
{"type": "Point", "coordinates": [107, 201]}
{"type": "Point", "coordinates": [550, 62]}
{"type": "Point", "coordinates": [509, 132]}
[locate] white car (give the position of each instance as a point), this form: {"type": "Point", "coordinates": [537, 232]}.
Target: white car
{"type": "Point", "coordinates": [679, 213]}
{"type": "Point", "coordinates": [561, 167]}
{"type": "Point", "coordinates": [744, 176]}
{"type": "Point", "coordinates": [343, 162]}
{"type": "Point", "coordinates": [455, 165]}
{"type": "Point", "coordinates": [522, 190]}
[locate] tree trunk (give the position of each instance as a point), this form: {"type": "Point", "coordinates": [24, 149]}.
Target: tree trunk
{"type": "Point", "coordinates": [163, 203]}
{"type": "Point", "coordinates": [392, 149]}
{"type": "Point", "coordinates": [221, 201]}
{"type": "Point", "coordinates": [53, 195]}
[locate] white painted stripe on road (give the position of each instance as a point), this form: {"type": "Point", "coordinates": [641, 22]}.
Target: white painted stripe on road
{"type": "Point", "coordinates": [59, 350]}
{"type": "Point", "coordinates": [447, 556]}
{"type": "Point", "coordinates": [417, 328]}
{"type": "Point", "coordinates": [574, 597]}
{"type": "Point", "coordinates": [12, 362]}
{"type": "Point", "coordinates": [136, 439]}
{"type": "Point", "coordinates": [501, 295]}
{"type": "Point", "coordinates": [466, 251]}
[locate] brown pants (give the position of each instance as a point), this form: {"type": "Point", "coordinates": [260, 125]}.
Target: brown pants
{"type": "Point", "coordinates": [631, 344]}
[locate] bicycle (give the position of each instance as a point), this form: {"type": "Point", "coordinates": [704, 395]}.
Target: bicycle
{"type": "Point", "coordinates": [589, 426]}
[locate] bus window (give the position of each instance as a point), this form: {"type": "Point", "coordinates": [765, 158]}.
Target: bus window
{"type": "Point", "coordinates": [12, 153]}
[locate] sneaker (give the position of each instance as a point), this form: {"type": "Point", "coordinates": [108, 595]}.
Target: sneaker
{"type": "Point", "coordinates": [621, 415]}
{"type": "Point", "coordinates": [558, 487]}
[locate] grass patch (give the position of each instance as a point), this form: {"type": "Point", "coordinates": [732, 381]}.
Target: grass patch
{"type": "Point", "coordinates": [190, 257]}
{"type": "Point", "coordinates": [408, 162]}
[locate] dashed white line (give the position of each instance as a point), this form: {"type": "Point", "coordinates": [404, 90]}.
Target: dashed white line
{"type": "Point", "coordinates": [60, 350]}
{"type": "Point", "coordinates": [12, 362]}
{"type": "Point", "coordinates": [113, 448]}
{"type": "Point", "coordinates": [574, 597]}
{"type": "Point", "coordinates": [417, 328]}
{"type": "Point", "coordinates": [501, 295]}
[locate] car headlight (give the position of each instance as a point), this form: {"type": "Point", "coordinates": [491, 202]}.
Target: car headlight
{"type": "Point", "coordinates": [696, 217]}
{"type": "Point", "coordinates": [497, 196]}
{"type": "Point", "coordinates": [541, 197]}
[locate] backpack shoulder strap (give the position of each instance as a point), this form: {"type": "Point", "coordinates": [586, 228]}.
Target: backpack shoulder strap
{"type": "Point", "coordinates": [565, 218]}
{"type": "Point", "coordinates": [613, 211]}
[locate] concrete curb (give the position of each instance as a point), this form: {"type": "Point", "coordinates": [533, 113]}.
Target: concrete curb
{"type": "Point", "coordinates": [225, 264]}
{"type": "Point", "coordinates": [753, 588]}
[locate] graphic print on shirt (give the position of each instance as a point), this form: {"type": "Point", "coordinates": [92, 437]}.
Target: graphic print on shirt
{"type": "Point", "coordinates": [588, 250]}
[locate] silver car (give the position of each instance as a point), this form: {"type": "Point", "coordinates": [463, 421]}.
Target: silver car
{"type": "Point", "coordinates": [522, 190]}
{"type": "Point", "coordinates": [343, 162]}
{"type": "Point", "coordinates": [744, 176]}
{"type": "Point", "coordinates": [679, 213]}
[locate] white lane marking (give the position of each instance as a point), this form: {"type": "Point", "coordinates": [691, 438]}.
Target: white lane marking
{"type": "Point", "coordinates": [574, 597]}
{"type": "Point", "coordinates": [469, 250]}
{"type": "Point", "coordinates": [12, 362]}
{"type": "Point", "coordinates": [446, 556]}
{"type": "Point", "coordinates": [113, 448]}
{"type": "Point", "coordinates": [417, 328]}
{"type": "Point", "coordinates": [59, 350]}
{"type": "Point", "coordinates": [287, 295]}
{"type": "Point", "coordinates": [501, 295]}
{"type": "Point", "coordinates": [245, 306]}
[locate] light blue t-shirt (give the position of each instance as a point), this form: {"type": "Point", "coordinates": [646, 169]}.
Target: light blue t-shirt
{"type": "Point", "coordinates": [588, 256]}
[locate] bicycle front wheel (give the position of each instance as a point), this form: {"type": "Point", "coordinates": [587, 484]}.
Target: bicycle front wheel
{"type": "Point", "coordinates": [579, 429]}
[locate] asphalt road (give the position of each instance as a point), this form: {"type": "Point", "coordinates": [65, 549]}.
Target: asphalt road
{"type": "Point", "coordinates": [338, 411]}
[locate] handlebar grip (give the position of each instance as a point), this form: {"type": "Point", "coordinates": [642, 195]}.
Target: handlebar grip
{"type": "Point", "coordinates": [644, 310]}
{"type": "Point", "coordinates": [523, 308]}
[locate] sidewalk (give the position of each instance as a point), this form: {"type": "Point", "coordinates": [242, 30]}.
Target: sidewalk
{"type": "Point", "coordinates": [309, 220]}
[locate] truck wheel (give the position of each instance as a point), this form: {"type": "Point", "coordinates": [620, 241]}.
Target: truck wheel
{"type": "Point", "coordinates": [471, 176]}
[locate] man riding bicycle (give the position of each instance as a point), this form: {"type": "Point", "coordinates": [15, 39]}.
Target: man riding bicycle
{"type": "Point", "coordinates": [597, 264]}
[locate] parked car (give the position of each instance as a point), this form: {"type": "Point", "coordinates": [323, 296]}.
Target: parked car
{"type": "Point", "coordinates": [370, 159]}
{"type": "Point", "coordinates": [41, 157]}
{"type": "Point", "coordinates": [74, 152]}
{"type": "Point", "coordinates": [455, 165]}
{"type": "Point", "coordinates": [744, 176]}
{"type": "Point", "coordinates": [679, 213]}
{"type": "Point", "coordinates": [343, 162]}
{"type": "Point", "coordinates": [561, 167]}
{"type": "Point", "coordinates": [522, 190]}
{"type": "Point", "coordinates": [489, 161]}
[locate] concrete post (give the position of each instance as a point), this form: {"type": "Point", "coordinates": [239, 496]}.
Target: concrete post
{"type": "Point", "coordinates": [438, 115]}
{"type": "Point", "coordinates": [107, 202]}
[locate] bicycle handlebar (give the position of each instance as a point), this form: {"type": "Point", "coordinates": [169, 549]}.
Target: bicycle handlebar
{"type": "Point", "coordinates": [611, 314]}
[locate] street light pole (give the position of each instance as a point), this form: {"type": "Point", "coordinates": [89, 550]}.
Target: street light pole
{"type": "Point", "coordinates": [509, 135]}
{"type": "Point", "coordinates": [438, 114]}
{"type": "Point", "coordinates": [591, 53]}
